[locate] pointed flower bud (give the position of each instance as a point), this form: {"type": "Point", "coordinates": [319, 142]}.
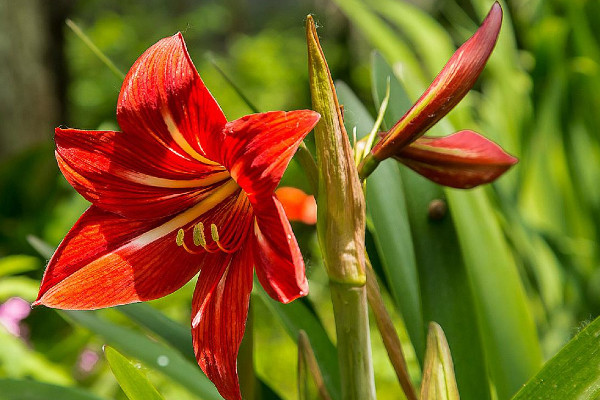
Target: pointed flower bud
{"type": "Point", "coordinates": [341, 211]}
{"type": "Point", "coordinates": [439, 382]}
{"type": "Point", "coordinates": [454, 81]}
{"type": "Point", "coordinates": [462, 160]}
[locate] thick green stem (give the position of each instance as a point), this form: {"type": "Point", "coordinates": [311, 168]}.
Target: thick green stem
{"type": "Point", "coordinates": [353, 341]}
{"type": "Point", "coordinates": [341, 228]}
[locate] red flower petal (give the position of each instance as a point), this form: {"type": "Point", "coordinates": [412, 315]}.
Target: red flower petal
{"type": "Point", "coordinates": [118, 172]}
{"type": "Point", "coordinates": [106, 260]}
{"type": "Point", "coordinates": [257, 148]}
{"type": "Point", "coordinates": [462, 160]}
{"type": "Point", "coordinates": [298, 205]}
{"type": "Point", "coordinates": [163, 99]}
{"type": "Point", "coordinates": [454, 81]}
{"type": "Point", "coordinates": [219, 312]}
{"type": "Point", "coordinates": [277, 258]}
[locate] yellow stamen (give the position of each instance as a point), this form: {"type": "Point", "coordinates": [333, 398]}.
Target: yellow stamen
{"type": "Point", "coordinates": [179, 238]}
{"type": "Point", "coordinates": [199, 239]}
{"type": "Point", "coordinates": [214, 233]}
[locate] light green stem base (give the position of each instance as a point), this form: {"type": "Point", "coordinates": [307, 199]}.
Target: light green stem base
{"type": "Point", "coordinates": [353, 341]}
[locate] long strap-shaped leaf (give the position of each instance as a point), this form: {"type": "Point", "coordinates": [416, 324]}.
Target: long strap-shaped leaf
{"type": "Point", "coordinates": [16, 389]}
{"type": "Point", "coordinates": [573, 373]}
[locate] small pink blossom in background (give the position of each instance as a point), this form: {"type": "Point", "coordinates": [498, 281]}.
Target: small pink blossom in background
{"type": "Point", "coordinates": [87, 361]}
{"type": "Point", "coordinates": [12, 312]}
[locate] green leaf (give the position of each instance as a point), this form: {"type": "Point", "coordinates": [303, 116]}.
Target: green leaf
{"type": "Point", "coordinates": [295, 317]}
{"type": "Point", "coordinates": [18, 360]}
{"type": "Point", "coordinates": [446, 296]}
{"type": "Point", "coordinates": [14, 389]}
{"type": "Point", "coordinates": [132, 380]}
{"type": "Point", "coordinates": [153, 354]}
{"type": "Point", "coordinates": [509, 333]}
{"type": "Point", "coordinates": [432, 42]}
{"type": "Point", "coordinates": [20, 286]}
{"type": "Point", "coordinates": [386, 204]}
{"type": "Point", "coordinates": [386, 40]}
{"type": "Point", "coordinates": [17, 264]}
{"type": "Point", "coordinates": [43, 248]}
{"type": "Point", "coordinates": [175, 334]}
{"type": "Point", "coordinates": [571, 374]}
{"type": "Point", "coordinates": [310, 379]}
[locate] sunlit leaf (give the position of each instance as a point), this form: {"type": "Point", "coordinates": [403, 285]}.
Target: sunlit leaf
{"type": "Point", "coordinates": [572, 374]}
{"type": "Point", "coordinates": [12, 265]}
{"type": "Point", "coordinates": [153, 354]}
{"type": "Point", "coordinates": [132, 380]}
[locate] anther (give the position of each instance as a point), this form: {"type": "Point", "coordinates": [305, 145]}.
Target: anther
{"type": "Point", "coordinates": [198, 234]}
{"type": "Point", "coordinates": [179, 238]}
{"type": "Point", "coordinates": [214, 233]}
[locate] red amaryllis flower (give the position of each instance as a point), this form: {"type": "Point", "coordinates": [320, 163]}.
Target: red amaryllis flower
{"type": "Point", "coordinates": [180, 190]}
{"type": "Point", "coordinates": [464, 159]}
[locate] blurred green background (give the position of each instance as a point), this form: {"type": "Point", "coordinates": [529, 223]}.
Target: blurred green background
{"type": "Point", "coordinates": [539, 98]}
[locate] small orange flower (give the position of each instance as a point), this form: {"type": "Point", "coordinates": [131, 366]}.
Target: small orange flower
{"type": "Point", "coordinates": [298, 206]}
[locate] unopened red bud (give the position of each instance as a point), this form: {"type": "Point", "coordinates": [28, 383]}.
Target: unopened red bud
{"type": "Point", "coordinates": [454, 81]}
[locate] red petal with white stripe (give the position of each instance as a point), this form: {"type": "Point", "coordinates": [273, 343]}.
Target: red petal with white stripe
{"type": "Point", "coordinates": [219, 312]}
{"type": "Point", "coordinates": [132, 177]}
{"type": "Point", "coordinates": [163, 99]}
{"type": "Point", "coordinates": [106, 260]}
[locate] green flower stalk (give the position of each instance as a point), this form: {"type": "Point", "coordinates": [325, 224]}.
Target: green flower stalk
{"type": "Point", "coordinates": [341, 228]}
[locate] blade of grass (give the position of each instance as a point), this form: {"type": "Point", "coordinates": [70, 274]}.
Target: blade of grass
{"type": "Point", "coordinates": [88, 42]}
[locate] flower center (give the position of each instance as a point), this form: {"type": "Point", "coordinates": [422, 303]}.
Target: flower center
{"type": "Point", "coordinates": [222, 229]}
